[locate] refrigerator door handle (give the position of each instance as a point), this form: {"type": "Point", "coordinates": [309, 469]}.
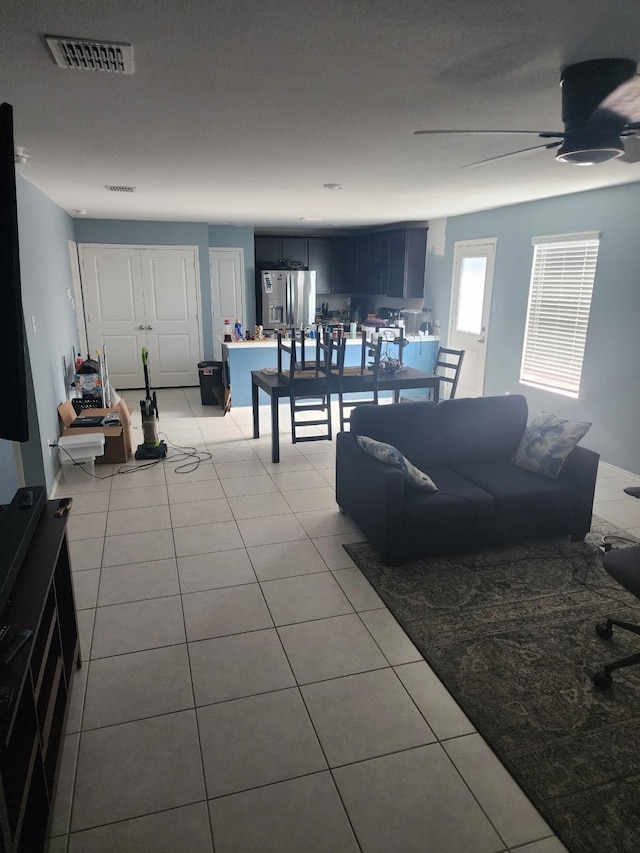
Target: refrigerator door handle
{"type": "Point", "coordinates": [288, 301]}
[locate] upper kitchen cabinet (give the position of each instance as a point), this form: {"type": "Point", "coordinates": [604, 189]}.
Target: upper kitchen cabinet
{"type": "Point", "coordinates": [268, 251]}
{"type": "Point", "coordinates": [281, 252]}
{"type": "Point", "coordinates": [320, 261]}
{"type": "Point", "coordinates": [372, 262]}
{"type": "Point", "coordinates": [343, 264]}
{"type": "Point", "coordinates": [407, 259]}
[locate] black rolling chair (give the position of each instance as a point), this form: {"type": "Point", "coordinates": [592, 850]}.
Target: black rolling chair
{"type": "Point", "coordinates": [623, 564]}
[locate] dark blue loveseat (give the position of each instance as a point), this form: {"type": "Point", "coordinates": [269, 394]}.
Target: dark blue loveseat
{"type": "Point", "coordinates": [466, 446]}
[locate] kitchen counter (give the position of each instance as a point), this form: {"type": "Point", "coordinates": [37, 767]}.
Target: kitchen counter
{"type": "Point", "coordinates": [272, 342]}
{"type": "Point", "coordinates": [242, 357]}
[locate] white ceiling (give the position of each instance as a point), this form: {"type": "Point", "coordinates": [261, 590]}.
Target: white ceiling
{"type": "Point", "coordinates": [239, 111]}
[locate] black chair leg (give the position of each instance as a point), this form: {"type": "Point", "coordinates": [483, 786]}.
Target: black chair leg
{"type": "Point", "coordinates": [602, 679]}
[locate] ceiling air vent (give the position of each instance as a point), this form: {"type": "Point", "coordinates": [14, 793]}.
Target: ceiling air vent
{"type": "Point", "coordinates": [87, 55]}
{"type": "Point", "coordinates": [119, 189]}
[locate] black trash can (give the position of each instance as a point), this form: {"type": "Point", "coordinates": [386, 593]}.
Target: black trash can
{"type": "Point", "coordinates": [211, 384]}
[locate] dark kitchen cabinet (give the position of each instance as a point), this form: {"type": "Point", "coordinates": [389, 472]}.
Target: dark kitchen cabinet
{"type": "Point", "coordinates": [320, 261]}
{"type": "Point", "coordinates": [407, 259]}
{"type": "Point", "coordinates": [343, 264]}
{"type": "Point", "coordinates": [268, 251]}
{"type": "Point", "coordinates": [280, 252]}
{"type": "Point", "coordinates": [295, 250]}
{"type": "Point", "coordinates": [372, 262]}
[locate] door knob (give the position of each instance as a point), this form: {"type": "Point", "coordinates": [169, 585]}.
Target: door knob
{"type": "Point", "coordinates": [141, 327]}
{"type": "Point", "coordinates": [481, 340]}
{"type": "Point", "coordinates": [149, 327]}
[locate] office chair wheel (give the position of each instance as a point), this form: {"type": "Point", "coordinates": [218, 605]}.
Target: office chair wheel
{"type": "Point", "coordinates": [602, 680]}
{"type": "Point", "coordinates": [603, 630]}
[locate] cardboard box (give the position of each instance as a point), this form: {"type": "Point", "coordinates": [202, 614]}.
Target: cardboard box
{"type": "Point", "coordinates": [118, 440]}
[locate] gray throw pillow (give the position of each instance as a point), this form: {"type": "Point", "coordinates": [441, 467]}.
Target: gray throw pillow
{"type": "Point", "coordinates": [547, 442]}
{"type": "Point", "coordinates": [391, 456]}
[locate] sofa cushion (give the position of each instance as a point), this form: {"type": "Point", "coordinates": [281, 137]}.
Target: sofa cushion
{"type": "Point", "coordinates": [457, 501]}
{"type": "Point", "coordinates": [516, 490]}
{"type": "Point", "coordinates": [414, 428]}
{"type": "Point", "coordinates": [487, 428]}
{"type": "Point", "coordinates": [547, 442]}
{"type": "Point", "coordinates": [391, 456]}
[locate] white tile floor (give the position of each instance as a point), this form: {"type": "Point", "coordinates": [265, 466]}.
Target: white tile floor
{"type": "Point", "coordinates": [244, 688]}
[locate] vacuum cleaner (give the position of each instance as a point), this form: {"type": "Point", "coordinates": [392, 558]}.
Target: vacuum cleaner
{"type": "Point", "coordinates": [152, 447]}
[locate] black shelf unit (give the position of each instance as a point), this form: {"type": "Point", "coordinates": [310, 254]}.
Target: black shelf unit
{"type": "Point", "coordinates": [40, 677]}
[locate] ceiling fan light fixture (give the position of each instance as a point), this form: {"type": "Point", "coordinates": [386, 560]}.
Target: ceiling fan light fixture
{"type": "Point", "coordinates": [588, 147]}
{"type": "Point", "coordinates": [589, 156]}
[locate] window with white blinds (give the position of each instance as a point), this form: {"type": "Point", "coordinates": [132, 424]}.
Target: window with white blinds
{"type": "Point", "coordinates": [562, 276]}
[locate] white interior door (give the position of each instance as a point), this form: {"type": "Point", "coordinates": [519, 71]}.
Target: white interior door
{"type": "Point", "coordinates": [137, 297]}
{"type": "Point", "coordinates": [114, 310]}
{"type": "Point", "coordinates": [169, 286]}
{"type": "Point", "coordinates": [227, 292]}
{"type": "Point", "coordinates": [470, 310]}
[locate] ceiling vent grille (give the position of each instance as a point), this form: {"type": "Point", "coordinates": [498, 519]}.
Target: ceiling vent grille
{"type": "Point", "coordinates": [114, 188]}
{"type": "Point", "coordinates": [86, 55]}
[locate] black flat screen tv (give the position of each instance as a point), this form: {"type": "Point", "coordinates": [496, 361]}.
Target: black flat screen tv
{"type": "Point", "coordinates": [14, 422]}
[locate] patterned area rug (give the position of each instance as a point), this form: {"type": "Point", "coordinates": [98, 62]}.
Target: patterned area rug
{"type": "Point", "coordinates": [510, 632]}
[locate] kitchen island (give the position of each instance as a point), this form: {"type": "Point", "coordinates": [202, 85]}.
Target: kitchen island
{"type": "Point", "coordinates": [243, 357]}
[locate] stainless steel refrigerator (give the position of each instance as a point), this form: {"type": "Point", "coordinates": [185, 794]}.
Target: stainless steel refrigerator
{"type": "Point", "coordinates": [288, 297]}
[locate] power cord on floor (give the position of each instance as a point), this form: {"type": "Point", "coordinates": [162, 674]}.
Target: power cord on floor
{"type": "Point", "coordinates": [606, 545]}
{"type": "Point", "coordinates": [184, 453]}
{"type": "Point", "coordinates": [197, 456]}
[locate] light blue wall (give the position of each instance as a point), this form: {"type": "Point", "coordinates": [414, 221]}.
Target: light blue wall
{"type": "Point", "coordinates": [131, 232]}
{"type": "Point", "coordinates": [44, 232]}
{"type": "Point", "coordinates": [9, 480]}
{"type": "Point", "coordinates": [610, 389]}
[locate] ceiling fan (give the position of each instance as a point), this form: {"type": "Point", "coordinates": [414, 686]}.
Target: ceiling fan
{"type": "Point", "coordinates": [600, 107]}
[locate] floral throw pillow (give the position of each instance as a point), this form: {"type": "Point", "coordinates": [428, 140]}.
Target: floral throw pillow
{"type": "Point", "coordinates": [391, 456]}
{"type": "Point", "coordinates": [547, 442]}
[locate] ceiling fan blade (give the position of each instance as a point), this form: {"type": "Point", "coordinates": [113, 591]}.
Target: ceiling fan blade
{"type": "Point", "coordinates": [480, 163]}
{"type": "Point", "coordinates": [623, 103]}
{"type": "Point", "coordinates": [545, 134]}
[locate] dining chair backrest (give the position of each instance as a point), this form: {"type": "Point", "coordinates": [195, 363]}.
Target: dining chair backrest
{"type": "Point", "coordinates": [448, 366]}
{"type": "Point", "coordinates": [309, 388]}
{"type": "Point", "coordinates": [370, 354]}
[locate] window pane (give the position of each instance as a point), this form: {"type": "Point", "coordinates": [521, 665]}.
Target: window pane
{"type": "Point", "coordinates": [562, 279]}
{"type": "Point", "coordinates": [471, 295]}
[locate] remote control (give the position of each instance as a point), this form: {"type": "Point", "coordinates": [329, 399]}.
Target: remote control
{"type": "Point", "coordinates": [26, 499]}
{"type": "Point", "coordinates": [14, 646]}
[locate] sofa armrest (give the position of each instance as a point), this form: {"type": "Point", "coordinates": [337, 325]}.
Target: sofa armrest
{"type": "Point", "coordinates": [371, 493]}
{"type": "Point", "coordinates": [581, 468]}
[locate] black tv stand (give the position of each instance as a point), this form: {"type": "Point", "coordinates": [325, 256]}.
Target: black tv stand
{"type": "Point", "coordinates": [41, 653]}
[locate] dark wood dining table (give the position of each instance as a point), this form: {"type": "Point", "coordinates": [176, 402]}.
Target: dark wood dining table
{"type": "Point", "coordinates": [277, 387]}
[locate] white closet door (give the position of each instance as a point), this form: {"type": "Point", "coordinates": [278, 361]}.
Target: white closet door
{"type": "Point", "coordinates": [169, 279]}
{"type": "Point", "coordinates": [114, 310]}
{"type": "Point", "coordinates": [137, 297]}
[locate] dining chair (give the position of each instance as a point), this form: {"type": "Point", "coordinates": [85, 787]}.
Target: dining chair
{"type": "Point", "coordinates": [370, 353]}
{"type": "Point", "coordinates": [309, 386]}
{"type": "Point", "coordinates": [448, 366]}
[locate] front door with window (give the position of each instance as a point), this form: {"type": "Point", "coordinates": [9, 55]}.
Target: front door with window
{"type": "Point", "coordinates": [470, 309]}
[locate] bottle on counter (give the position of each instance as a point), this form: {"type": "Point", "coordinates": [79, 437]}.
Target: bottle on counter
{"type": "Point", "coordinates": [227, 332]}
{"type": "Point", "coordinates": [238, 330]}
